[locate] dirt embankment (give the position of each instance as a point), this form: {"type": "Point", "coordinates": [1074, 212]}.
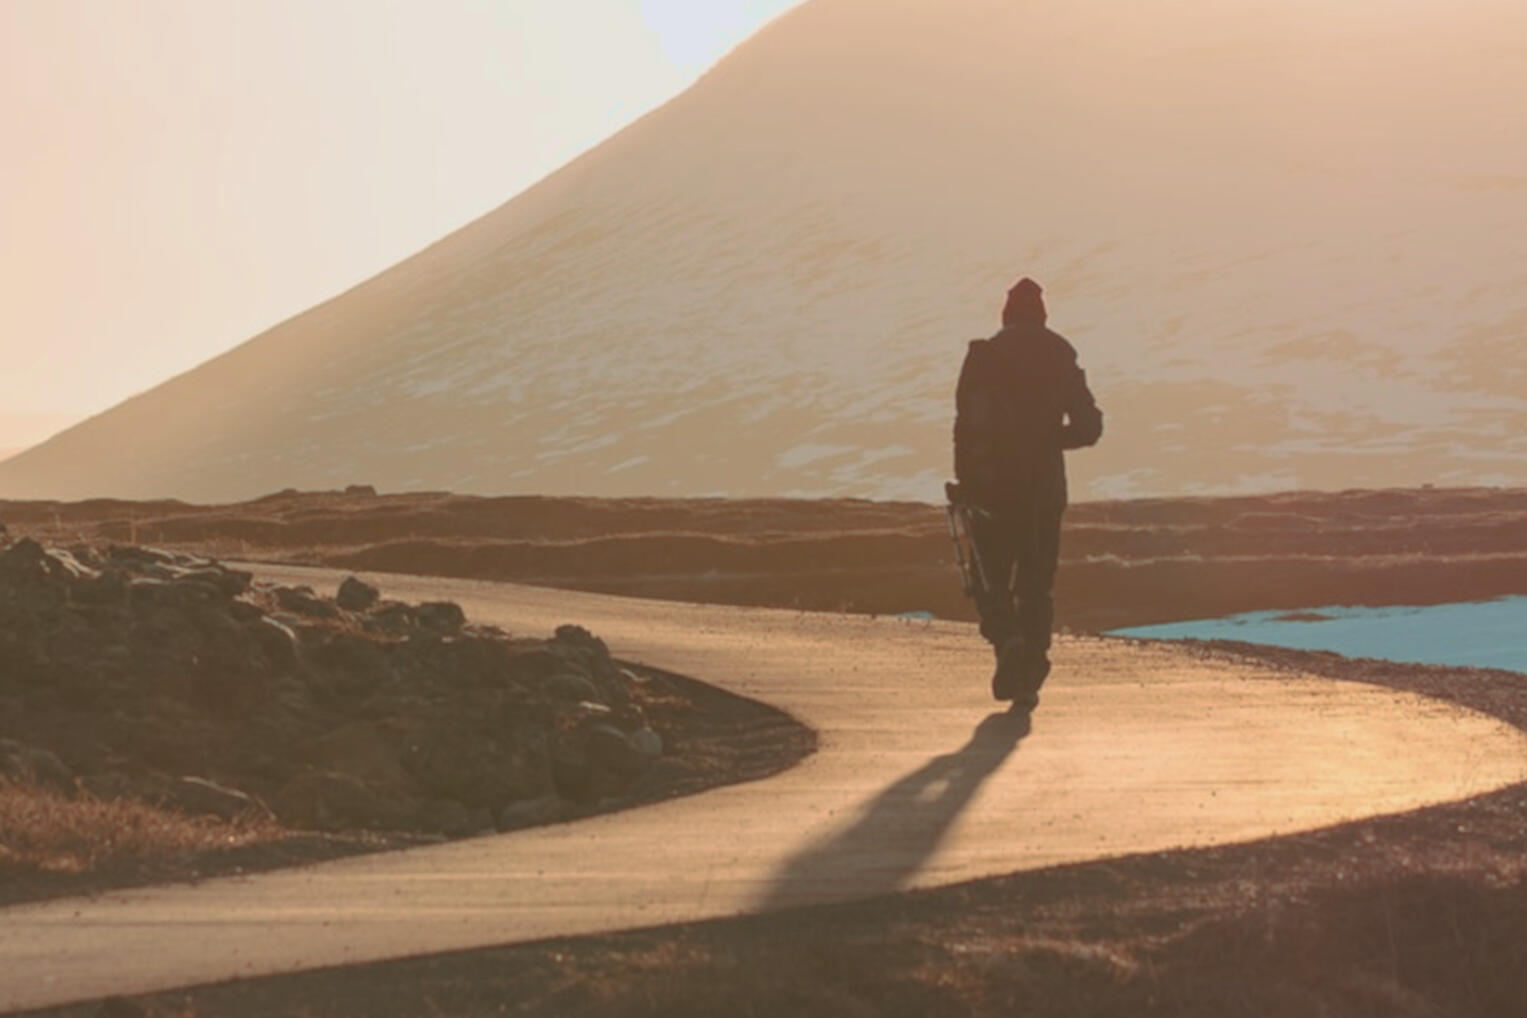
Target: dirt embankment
{"type": "Point", "coordinates": [1123, 563]}
{"type": "Point", "coordinates": [133, 675]}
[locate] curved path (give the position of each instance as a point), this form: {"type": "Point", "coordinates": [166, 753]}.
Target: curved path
{"type": "Point", "coordinates": [1135, 748]}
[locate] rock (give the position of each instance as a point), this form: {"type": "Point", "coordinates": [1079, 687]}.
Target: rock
{"type": "Point", "coordinates": [278, 642]}
{"type": "Point", "coordinates": [132, 555]}
{"type": "Point", "coordinates": [184, 590]}
{"type": "Point", "coordinates": [357, 665]}
{"type": "Point", "coordinates": [63, 564]}
{"type": "Point", "coordinates": [481, 821]}
{"type": "Point", "coordinates": [25, 560]}
{"type": "Point", "coordinates": [277, 723]}
{"type": "Point", "coordinates": [570, 765]}
{"type": "Point", "coordinates": [148, 590]}
{"type": "Point", "coordinates": [538, 663]}
{"type": "Point", "coordinates": [198, 795]}
{"type": "Point", "coordinates": [609, 748]}
{"type": "Point", "coordinates": [530, 771]}
{"type": "Point", "coordinates": [302, 601]}
{"type": "Point", "coordinates": [450, 760]}
{"type": "Point", "coordinates": [393, 617]}
{"type": "Point", "coordinates": [227, 582]}
{"type": "Point", "coordinates": [577, 645]}
{"type": "Point", "coordinates": [244, 611]}
{"type": "Point", "coordinates": [441, 616]}
{"type": "Point", "coordinates": [361, 751]}
{"type": "Point", "coordinates": [325, 801]}
{"type": "Point", "coordinates": [452, 818]}
{"type": "Point", "coordinates": [227, 646]}
{"type": "Point", "coordinates": [647, 742]}
{"type": "Point", "coordinates": [615, 751]}
{"type": "Point", "coordinates": [444, 816]}
{"type": "Point", "coordinates": [166, 733]}
{"type": "Point", "coordinates": [356, 595]}
{"type": "Point", "coordinates": [296, 623]}
{"type": "Point", "coordinates": [122, 1007]}
{"type": "Point", "coordinates": [590, 645]}
{"type": "Point", "coordinates": [89, 555]}
{"type": "Point", "coordinates": [544, 809]}
{"type": "Point", "coordinates": [579, 637]}
{"type": "Point", "coordinates": [573, 687]}
{"type": "Point", "coordinates": [236, 582]}
{"type": "Point", "coordinates": [110, 587]}
{"type": "Point", "coordinates": [34, 765]}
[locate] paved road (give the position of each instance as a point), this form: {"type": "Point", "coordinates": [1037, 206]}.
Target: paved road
{"type": "Point", "coordinates": [1135, 748]}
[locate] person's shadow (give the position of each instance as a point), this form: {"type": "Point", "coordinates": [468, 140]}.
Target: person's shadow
{"type": "Point", "coordinates": [899, 829]}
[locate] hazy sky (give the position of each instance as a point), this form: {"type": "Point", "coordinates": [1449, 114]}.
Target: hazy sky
{"type": "Point", "coordinates": [182, 174]}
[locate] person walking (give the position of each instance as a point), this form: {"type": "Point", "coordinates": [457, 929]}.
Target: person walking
{"type": "Point", "coordinates": [1021, 401]}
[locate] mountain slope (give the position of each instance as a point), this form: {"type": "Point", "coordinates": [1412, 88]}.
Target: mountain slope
{"type": "Point", "coordinates": [1288, 241]}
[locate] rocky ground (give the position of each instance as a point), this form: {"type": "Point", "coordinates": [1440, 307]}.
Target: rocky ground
{"type": "Point", "coordinates": [129, 673]}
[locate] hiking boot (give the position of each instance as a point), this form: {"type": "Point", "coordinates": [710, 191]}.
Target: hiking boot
{"type": "Point", "coordinates": [1036, 671]}
{"type": "Point", "coordinates": [1025, 695]}
{"type": "Point", "coordinates": [1007, 679]}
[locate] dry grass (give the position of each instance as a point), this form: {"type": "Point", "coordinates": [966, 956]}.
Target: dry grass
{"type": "Point", "coordinates": [44, 831]}
{"type": "Point", "coordinates": [1123, 563]}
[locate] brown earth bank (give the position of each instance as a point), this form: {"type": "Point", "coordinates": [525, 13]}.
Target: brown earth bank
{"type": "Point", "coordinates": [1123, 563]}
{"type": "Point", "coordinates": [1420, 914]}
{"type": "Point", "coordinates": [163, 716]}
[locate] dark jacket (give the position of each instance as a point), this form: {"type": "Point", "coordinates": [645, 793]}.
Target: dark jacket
{"type": "Point", "coordinates": [1021, 401]}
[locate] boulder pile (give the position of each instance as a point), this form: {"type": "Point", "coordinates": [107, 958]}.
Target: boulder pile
{"type": "Point", "coordinates": [128, 671]}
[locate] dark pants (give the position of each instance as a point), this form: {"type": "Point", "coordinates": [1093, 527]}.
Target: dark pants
{"type": "Point", "coordinates": [1019, 547]}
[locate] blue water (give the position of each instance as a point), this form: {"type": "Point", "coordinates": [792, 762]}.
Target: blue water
{"type": "Point", "coordinates": [1483, 634]}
